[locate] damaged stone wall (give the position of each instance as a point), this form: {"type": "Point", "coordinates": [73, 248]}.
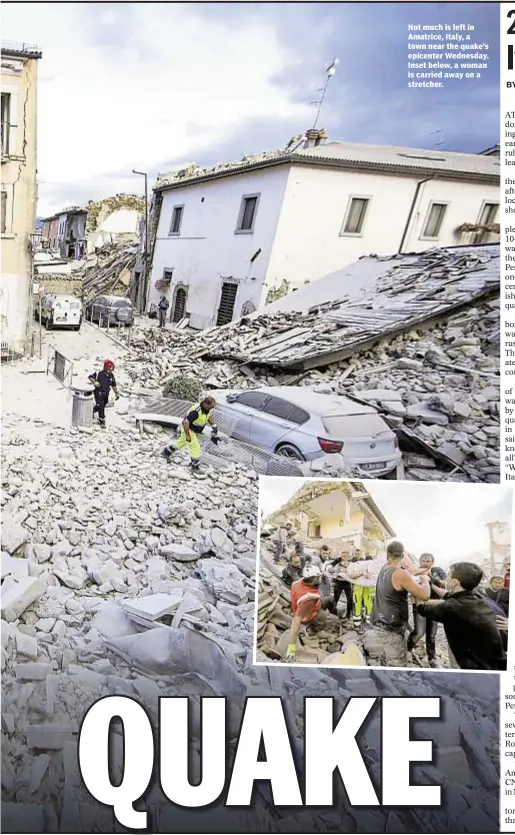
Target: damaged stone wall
{"type": "Point", "coordinates": [99, 210]}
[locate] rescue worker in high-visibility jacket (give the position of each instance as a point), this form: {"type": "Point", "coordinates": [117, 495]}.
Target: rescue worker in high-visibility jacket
{"type": "Point", "coordinates": [192, 426]}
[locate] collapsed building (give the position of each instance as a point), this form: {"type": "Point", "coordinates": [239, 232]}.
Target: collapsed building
{"type": "Point", "coordinates": [108, 271]}
{"type": "Point", "coordinates": [335, 514]}
{"type": "Point", "coordinates": [416, 336]}
{"type": "Point", "coordinates": [76, 232]}
{"type": "Point", "coordinates": [332, 514]}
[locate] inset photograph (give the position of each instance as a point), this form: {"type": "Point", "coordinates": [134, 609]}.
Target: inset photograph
{"type": "Point", "coordinates": [383, 574]}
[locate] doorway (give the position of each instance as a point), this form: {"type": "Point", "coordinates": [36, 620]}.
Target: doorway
{"type": "Point", "coordinates": [179, 305]}
{"type": "Point", "coordinates": [227, 302]}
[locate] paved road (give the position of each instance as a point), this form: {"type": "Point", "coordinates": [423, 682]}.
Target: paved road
{"type": "Point", "coordinates": [29, 392]}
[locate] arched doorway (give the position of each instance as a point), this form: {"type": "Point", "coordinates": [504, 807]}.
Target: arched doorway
{"type": "Point", "coordinates": [179, 304]}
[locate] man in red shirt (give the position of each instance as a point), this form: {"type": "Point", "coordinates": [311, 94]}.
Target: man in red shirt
{"type": "Point", "coordinates": [507, 575]}
{"type": "Point", "coordinates": [306, 603]}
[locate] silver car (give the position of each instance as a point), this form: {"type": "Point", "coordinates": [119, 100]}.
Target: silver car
{"type": "Point", "coordinates": [303, 425]}
{"type": "Point", "coordinates": [117, 310]}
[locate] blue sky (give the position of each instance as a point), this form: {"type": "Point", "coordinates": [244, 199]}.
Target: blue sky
{"type": "Point", "coordinates": [151, 86]}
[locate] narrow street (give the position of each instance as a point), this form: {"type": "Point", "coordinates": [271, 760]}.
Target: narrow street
{"type": "Point", "coordinates": [28, 392]}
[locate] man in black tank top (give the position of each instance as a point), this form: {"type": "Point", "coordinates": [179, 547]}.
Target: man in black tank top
{"type": "Point", "coordinates": [386, 643]}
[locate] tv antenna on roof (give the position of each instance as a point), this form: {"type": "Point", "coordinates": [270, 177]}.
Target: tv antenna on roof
{"type": "Point", "coordinates": [330, 71]}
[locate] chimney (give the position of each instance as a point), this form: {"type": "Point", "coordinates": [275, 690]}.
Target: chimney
{"type": "Point", "coordinates": [314, 137]}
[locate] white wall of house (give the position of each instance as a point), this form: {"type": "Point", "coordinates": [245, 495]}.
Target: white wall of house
{"type": "Point", "coordinates": [465, 203]}
{"type": "Point", "coordinates": [208, 248]}
{"type": "Point", "coordinates": [299, 228]}
{"type": "Point", "coordinates": [310, 242]}
{"type": "Point", "coordinates": [61, 228]}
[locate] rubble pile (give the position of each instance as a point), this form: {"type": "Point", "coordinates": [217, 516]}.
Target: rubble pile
{"type": "Point", "coordinates": [107, 272]}
{"type": "Point", "coordinates": [274, 622]}
{"type": "Point", "coordinates": [122, 575]}
{"type": "Point", "coordinates": [441, 386]}
{"type": "Point", "coordinates": [326, 644]}
{"type": "Point", "coordinates": [413, 290]}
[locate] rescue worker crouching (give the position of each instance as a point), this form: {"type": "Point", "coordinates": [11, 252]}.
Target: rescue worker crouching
{"type": "Point", "coordinates": [306, 603]}
{"type": "Point", "coordinates": [103, 381]}
{"type": "Point", "coordinates": [192, 427]}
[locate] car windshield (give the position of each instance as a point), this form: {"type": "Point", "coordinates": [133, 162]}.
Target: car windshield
{"type": "Point", "coordinates": [122, 303]}
{"type": "Point", "coordinates": [354, 426]}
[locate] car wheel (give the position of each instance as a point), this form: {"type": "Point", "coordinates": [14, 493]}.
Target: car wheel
{"type": "Point", "coordinates": [291, 452]}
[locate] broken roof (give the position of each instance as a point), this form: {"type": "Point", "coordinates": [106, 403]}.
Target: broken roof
{"type": "Point", "coordinates": [72, 210]}
{"type": "Point", "coordinates": [10, 49]}
{"type": "Point", "coordinates": [353, 156]}
{"type": "Point", "coordinates": [314, 490]}
{"type": "Point", "coordinates": [407, 291]}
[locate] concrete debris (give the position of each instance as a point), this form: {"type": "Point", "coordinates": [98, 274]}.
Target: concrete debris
{"type": "Point", "coordinates": [154, 606]}
{"type": "Point", "coordinates": [333, 637]}
{"type": "Point", "coordinates": [19, 595]}
{"type": "Point", "coordinates": [433, 375]}
{"type": "Point", "coordinates": [14, 535]}
{"type": "Point", "coordinates": [110, 606]}
{"type": "Point", "coordinates": [411, 290]}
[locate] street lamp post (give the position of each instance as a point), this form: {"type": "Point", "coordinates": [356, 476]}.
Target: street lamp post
{"type": "Point", "coordinates": [143, 300]}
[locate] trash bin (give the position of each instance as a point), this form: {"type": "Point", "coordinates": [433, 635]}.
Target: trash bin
{"type": "Point", "coordinates": [82, 406]}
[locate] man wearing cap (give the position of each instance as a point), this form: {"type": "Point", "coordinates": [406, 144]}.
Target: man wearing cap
{"type": "Point", "coordinates": [192, 427]}
{"type": "Point", "coordinates": [103, 381]}
{"type": "Point", "coordinates": [306, 604]}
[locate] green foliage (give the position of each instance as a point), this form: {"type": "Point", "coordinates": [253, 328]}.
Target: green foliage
{"type": "Point", "coordinates": [183, 387]}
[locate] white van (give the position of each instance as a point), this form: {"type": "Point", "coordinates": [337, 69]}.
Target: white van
{"type": "Point", "coordinates": [60, 312]}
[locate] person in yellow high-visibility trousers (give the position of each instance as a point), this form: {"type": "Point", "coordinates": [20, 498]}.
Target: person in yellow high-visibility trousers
{"type": "Point", "coordinates": [192, 426]}
{"type": "Point", "coordinates": [363, 575]}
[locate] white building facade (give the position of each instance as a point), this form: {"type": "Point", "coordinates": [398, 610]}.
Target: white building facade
{"type": "Point", "coordinates": [228, 239]}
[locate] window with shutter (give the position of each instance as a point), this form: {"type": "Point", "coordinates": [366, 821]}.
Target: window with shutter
{"type": "Point", "coordinates": [248, 210]}
{"type": "Point", "coordinates": [355, 218]}
{"type": "Point", "coordinates": [434, 220]}
{"type": "Point", "coordinates": [175, 226]}
{"type": "Point", "coordinates": [5, 123]}
{"type": "Point", "coordinates": [4, 213]}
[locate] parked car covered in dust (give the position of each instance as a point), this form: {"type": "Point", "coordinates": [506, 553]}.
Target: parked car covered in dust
{"type": "Point", "coordinates": [298, 423]}
{"type": "Point", "coordinates": [117, 310]}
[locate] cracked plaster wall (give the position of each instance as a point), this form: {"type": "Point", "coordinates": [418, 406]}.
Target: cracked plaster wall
{"type": "Point", "coordinates": [19, 78]}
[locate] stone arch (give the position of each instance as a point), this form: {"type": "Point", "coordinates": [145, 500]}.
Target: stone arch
{"type": "Point", "coordinates": [99, 211]}
{"type": "Point", "coordinates": [179, 300]}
